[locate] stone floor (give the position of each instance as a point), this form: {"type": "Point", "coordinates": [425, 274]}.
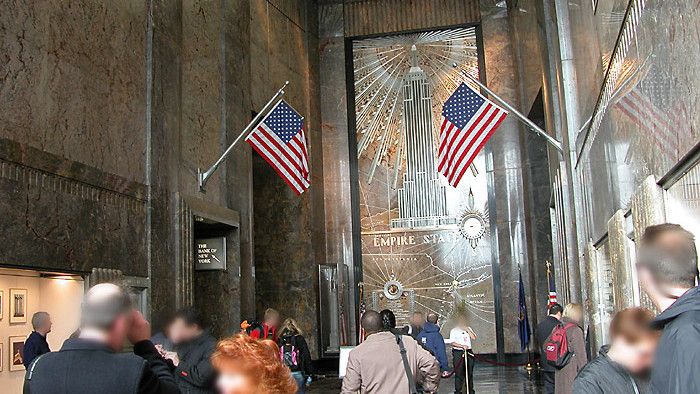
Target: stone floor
{"type": "Point", "coordinates": [489, 380]}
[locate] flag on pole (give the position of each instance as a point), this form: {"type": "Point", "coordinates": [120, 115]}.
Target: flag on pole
{"type": "Point", "coordinates": [279, 138]}
{"type": "Point", "coordinates": [363, 309]}
{"type": "Point", "coordinates": [523, 322]}
{"type": "Point", "coordinates": [361, 312]}
{"type": "Point", "coordinates": [468, 121]}
{"type": "Point", "coordinates": [552, 287]}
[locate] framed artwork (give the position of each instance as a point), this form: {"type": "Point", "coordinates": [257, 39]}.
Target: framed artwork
{"type": "Point", "coordinates": [18, 306]}
{"type": "Point", "coordinates": [2, 310]}
{"type": "Point", "coordinates": [2, 357]}
{"type": "Point", "coordinates": [16, 350]}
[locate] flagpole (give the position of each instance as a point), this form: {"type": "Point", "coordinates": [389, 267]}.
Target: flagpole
{"type": "Point", "coordinates": [203, 177]}
{"type": "Point", "coordinates": [515, 112]}
{"type": "Point", "coordinates": [466, 369]}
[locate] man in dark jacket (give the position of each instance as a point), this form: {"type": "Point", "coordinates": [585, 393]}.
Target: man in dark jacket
{"type": "Point", "coordinates": [432, 340]}
{"type": "Point", "coordinates": [667, 269]}
{"type": "Point", "coordinates": [92, 363]}
{"type": "Point", "coordinates": [36, 344]}
{"type": "Point", "coordinates": [191, 360]}
{"type": "Point", "coordinates": [620, 368]}
{"type": "Point", "coordinates": [543, 330]}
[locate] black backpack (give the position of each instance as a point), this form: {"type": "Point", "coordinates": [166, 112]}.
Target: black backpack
{"type": "Point", "coordinates": [289, 353]}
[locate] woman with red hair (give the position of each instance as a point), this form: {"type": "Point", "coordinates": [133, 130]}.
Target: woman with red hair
{"type": "Point", "coordinates": [247, 365]}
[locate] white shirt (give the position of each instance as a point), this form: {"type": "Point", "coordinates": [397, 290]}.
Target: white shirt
{"type": "Point", "coordinates": [460, 337]}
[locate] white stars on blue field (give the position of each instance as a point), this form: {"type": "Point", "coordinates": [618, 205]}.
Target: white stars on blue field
{"type": "Point", "coordinates": [284, 121]}
{"type": "Point", "coordinates": [462, 106]}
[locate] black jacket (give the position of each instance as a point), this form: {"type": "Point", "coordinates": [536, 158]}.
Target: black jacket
{"type": "Point", "coordinates": [34, 346]}
{"type": "Point", "coordinates": [543, 330]}
{"type": "Point", "coordinates": [84, 366]}
{"type": "Point", "coordinates": [298, 341]}
{"type": "Point", "coordinates": [677, 363]}
{"type": "Point", "coordinates": [604, 376]}
{"type": "Point", "coordinates": [194, 373]}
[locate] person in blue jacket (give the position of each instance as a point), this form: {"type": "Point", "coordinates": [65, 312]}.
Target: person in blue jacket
{"type": "Point", "coordinates": [432, 340]}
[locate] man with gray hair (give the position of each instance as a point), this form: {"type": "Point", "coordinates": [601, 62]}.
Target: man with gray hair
{"type": "Point", "coordinates": [93, 362]}
{"type": "Point", "coordinates": [36, 343]}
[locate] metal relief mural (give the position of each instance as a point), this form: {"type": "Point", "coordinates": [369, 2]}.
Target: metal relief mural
{"type": "Point", "coordinates": [425, 245]}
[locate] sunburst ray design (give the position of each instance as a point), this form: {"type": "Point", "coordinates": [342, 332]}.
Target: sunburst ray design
{"type": "Point", "coordinates": [380, 66]}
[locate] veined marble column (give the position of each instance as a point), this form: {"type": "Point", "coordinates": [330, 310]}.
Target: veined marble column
{"type": "Point", "coordinates": [504, 167]}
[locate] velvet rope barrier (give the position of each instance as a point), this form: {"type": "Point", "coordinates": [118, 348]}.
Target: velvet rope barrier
{"type": "Point", "coordinates": [460, 364]}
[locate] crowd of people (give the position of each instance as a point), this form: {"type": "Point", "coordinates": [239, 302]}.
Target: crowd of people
{"type": "Point", "coordinates": [263, 357]}
{"type": "Point", "coordinates": [645, 353]}
{"type": "Point", "coordinates": [413, 358]}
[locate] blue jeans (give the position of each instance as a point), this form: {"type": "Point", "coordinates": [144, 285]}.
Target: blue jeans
{"type": "Point", "coordinates": [301, 381]}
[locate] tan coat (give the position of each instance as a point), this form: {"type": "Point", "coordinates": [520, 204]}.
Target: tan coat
{"type": "Point", "coordinates": [564, 378]}
{"type": "Point", "coordinates": [376, 367]}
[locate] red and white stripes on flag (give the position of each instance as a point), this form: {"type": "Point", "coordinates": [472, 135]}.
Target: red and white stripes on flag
{"type": "Point", "coordinates": [361, 334]}
{"type": "Point", "coordinates": [279, 139]}
{"type": "Point", "coordinates": [552, 288]}
{"type": "Point", "coordinates": [468, 121]}
{"type": "Point", "coordinates": [661, 126]}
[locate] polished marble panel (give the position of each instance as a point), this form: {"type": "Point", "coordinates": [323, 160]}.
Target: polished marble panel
{"type": "Point", "coordinates": [649, 124]}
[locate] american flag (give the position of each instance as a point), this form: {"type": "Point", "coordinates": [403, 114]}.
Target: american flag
{"type": "Point", "coordinates": [658, 124]}
{"type": "Point", "coordinates": [552, 287]}
{"type": "Point", "coordinates": [363, 309]}
{"type": "Point", "coordinates": [280, 140]}
{"type": "Point", "coordinates": [468, 121]}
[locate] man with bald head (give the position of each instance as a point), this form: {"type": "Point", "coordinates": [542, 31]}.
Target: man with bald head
{"type": "Point", "coordinates": [377, 366]}
{"type": "Point", "coordinates": [667, 267]}
{"type": "Point", "coordinates": [93, 362]}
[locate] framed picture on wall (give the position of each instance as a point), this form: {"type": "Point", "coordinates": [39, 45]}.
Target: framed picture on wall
{"type": "Point", "coordinates": [2, 357]}
{"type": "Point", "coordinates": [2, 308]}
{"type": "Point", "coordinates": [18, 306]}
{"type": "Point", "coordinates": [16, 353]}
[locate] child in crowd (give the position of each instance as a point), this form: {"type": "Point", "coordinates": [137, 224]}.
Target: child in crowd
{"type": "Point", "coordinates": [294, 352]}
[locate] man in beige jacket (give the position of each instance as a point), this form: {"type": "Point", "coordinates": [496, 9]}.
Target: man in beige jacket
{"type": "Point", "coordinates": [376, 366]}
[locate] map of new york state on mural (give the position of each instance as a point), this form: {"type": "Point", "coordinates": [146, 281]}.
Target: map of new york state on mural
{"type": "Point", "coordinates": [425, 245]}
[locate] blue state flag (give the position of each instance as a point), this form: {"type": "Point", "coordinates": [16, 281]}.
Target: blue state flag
{"type": "Point", "coordinates": [523, 322]}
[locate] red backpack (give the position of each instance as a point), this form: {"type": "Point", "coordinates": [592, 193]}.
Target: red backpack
{"type": "Point", "coordinates": [556, 348]}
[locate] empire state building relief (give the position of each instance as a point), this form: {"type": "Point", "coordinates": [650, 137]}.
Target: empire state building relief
{"type": "Point", "coordinates": [425, 245]}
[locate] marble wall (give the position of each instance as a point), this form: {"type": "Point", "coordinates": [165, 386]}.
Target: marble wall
{"type": "Point", "coordinates": [74, 73]}
{"type": "Point", "coordinates": [289, 230]}
{"type": "Point", "coordinates": [634, 85]}
{"type": "Point", "coordinates": [107, 112]}
{"type": "Point", "coordinates": [73, 136]}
